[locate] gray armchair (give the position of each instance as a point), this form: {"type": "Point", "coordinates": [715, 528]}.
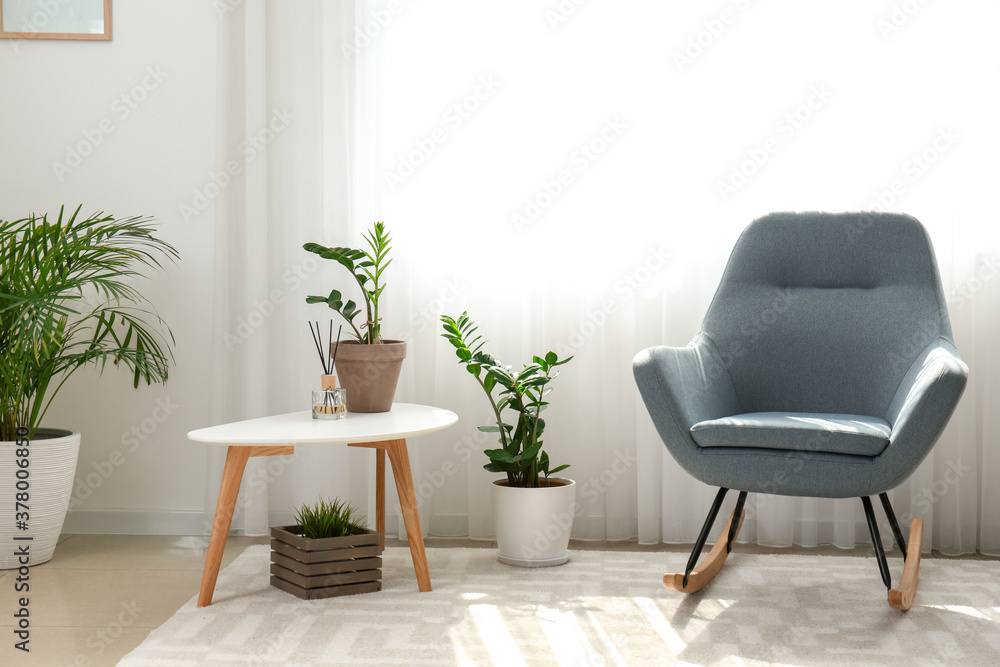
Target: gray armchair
{"type": "Point", "coordinates": [825, 367]}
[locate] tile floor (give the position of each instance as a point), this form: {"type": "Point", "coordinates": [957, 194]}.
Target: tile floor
{"type": "Point", "coordinates": [101, 595]}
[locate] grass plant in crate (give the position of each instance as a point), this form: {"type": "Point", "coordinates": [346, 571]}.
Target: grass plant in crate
{"type": "Point", "coordinates": [327, 553]}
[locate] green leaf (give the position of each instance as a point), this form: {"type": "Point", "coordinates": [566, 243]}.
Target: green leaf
{"type": "Point", "coordinates": [529, 452]}
{"type": "Point", "coordinates": [349, 310]}
{"type": "Point", "coordinates": [543, 463]}
{"type": "Point", "coordinates": [552, 358]}
{"type": "Point", "coordinates": [485, 359]}
{"type": "Point", "coordinates": [489, 429]}
{"type": "Point", "coordinates": [502, 376]}
{"type": "Point", "coordinates": [315, 248]}
{"type": "Point", "coordinates": [499, 455]}
{"type": "Point", "coordinates": [529, 371]}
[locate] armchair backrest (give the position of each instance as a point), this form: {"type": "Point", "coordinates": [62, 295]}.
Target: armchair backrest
{"type": "Point", "coordinates": [825, 312]}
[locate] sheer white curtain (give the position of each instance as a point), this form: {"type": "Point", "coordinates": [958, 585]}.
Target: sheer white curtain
{"type": "Point", "coordinates": [576, 180]}
{"type": "Point", "coordinates": [285, 173]}
{"type": "Point", "coordinates": [578, 174]}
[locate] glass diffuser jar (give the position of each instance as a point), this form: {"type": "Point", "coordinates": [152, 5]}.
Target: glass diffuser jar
{"type": "Point", "coordinates": [330, 402]}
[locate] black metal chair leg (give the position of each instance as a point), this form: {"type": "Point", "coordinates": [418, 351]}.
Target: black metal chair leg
{"type": "Point", "coordinates": [883, 566]}
{"type": "Point", "coordinates": [896, 532]}
{"type": "Point", "coordinates": [703, 536]}
{"type": "Point", "coordinates": [734, 524]}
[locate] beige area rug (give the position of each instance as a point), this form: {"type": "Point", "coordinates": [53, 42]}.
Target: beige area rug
{"type": "Point", "coordinates": [601, 608]}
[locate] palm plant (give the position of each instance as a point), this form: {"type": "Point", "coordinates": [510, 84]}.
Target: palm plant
{"type": "Point", "coordinates": [66, 301]}
{"type": "Point", "coordinates": [366, 267]}
{"type": "Point", "coordinates": [520, 455]}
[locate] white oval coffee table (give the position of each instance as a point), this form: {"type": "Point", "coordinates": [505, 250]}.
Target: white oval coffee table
{"type": "Point", "coordinates": [386, 432]}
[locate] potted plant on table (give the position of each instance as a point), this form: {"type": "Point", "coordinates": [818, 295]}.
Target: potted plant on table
{"type": "Point", "coordinates": [533, 511]}
{"type": "Point", "coordinates": [369, 365]}
{"type": "Point", "coordinates": [328, 553]}
{"type": "Point", "coordinates": [67, 301]}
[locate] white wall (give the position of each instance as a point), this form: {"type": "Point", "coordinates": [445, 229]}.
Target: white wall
{"type": "Point", "coordinates": [143, 109]}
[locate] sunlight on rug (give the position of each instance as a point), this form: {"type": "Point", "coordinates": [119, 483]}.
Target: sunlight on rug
{"type": "Point", "coordinates": [601, 608]}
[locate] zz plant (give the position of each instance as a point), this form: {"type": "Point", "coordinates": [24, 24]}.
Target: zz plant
{"type": "Point", "coordinates": [521, 395]}
{"type": "Point", "coordinates": [366, 267]}
{"type": "Point", "coordinates": [68, 300]}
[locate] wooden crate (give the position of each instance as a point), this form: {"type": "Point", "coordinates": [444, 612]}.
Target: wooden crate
{"type": "Point", "coordinates": [328, 567]}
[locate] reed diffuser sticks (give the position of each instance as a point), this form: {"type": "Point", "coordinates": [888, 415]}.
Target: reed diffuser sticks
{"type": "Point", "coordinates": [327, 361]}
{"type": "Point", "coordinates": [328, 402]}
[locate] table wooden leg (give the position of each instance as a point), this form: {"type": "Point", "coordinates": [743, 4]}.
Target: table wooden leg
{"type": "Point", "coordinates": [408, 502]}
{"type": "Point", "coordinates": [232, 476]}
{"type": "Point", "coordinates": [380, 495]}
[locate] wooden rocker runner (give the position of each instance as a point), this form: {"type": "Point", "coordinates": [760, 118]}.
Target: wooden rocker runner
{"type": "Point", "coordinates": [697, 577]}
{"type": "Point", "coordinates": [825, 367]}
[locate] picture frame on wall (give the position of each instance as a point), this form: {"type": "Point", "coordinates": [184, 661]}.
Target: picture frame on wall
{"type": "Point", "coordinates": [56, 19]}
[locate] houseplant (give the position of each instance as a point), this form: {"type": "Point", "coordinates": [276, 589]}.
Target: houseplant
{"type": "Point", "coordinates": [533, 511]}
{"type": "Point", "coordinates": [67, 300]}
{"type": "Point", "coordinates": [328, 553]}
{"type": "Point", "coordinates": [369, 365]}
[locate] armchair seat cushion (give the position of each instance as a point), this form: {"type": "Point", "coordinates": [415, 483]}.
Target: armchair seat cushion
{"type": "Point", "coordinates": [799, 431]}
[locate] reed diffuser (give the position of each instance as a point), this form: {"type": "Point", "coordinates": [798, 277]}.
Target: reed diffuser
{"type": "Point", "coordinates": [329, 401]}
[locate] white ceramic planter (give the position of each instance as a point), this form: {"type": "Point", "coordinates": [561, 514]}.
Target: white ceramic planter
{"type": "Point", "coordinates": [52, 469]}
{"type": "Point", "coordinates": [533, 525]}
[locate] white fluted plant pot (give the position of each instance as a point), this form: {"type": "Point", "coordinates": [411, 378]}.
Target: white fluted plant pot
{"type": "Point", "coordinates": [533, 525]}
{"type": "Point", "coordinates": [52, 467]}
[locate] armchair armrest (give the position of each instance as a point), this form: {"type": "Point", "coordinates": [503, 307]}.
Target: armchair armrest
{"type": "Point", "coordinates": [682, 386]}
{"type": "Point", "coordinates": [923, 404]}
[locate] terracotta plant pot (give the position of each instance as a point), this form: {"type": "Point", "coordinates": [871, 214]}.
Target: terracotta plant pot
{"type": "Point", "coordinates": [324, 568]}
{"type": "Point", "coordinates": [369, 373]}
